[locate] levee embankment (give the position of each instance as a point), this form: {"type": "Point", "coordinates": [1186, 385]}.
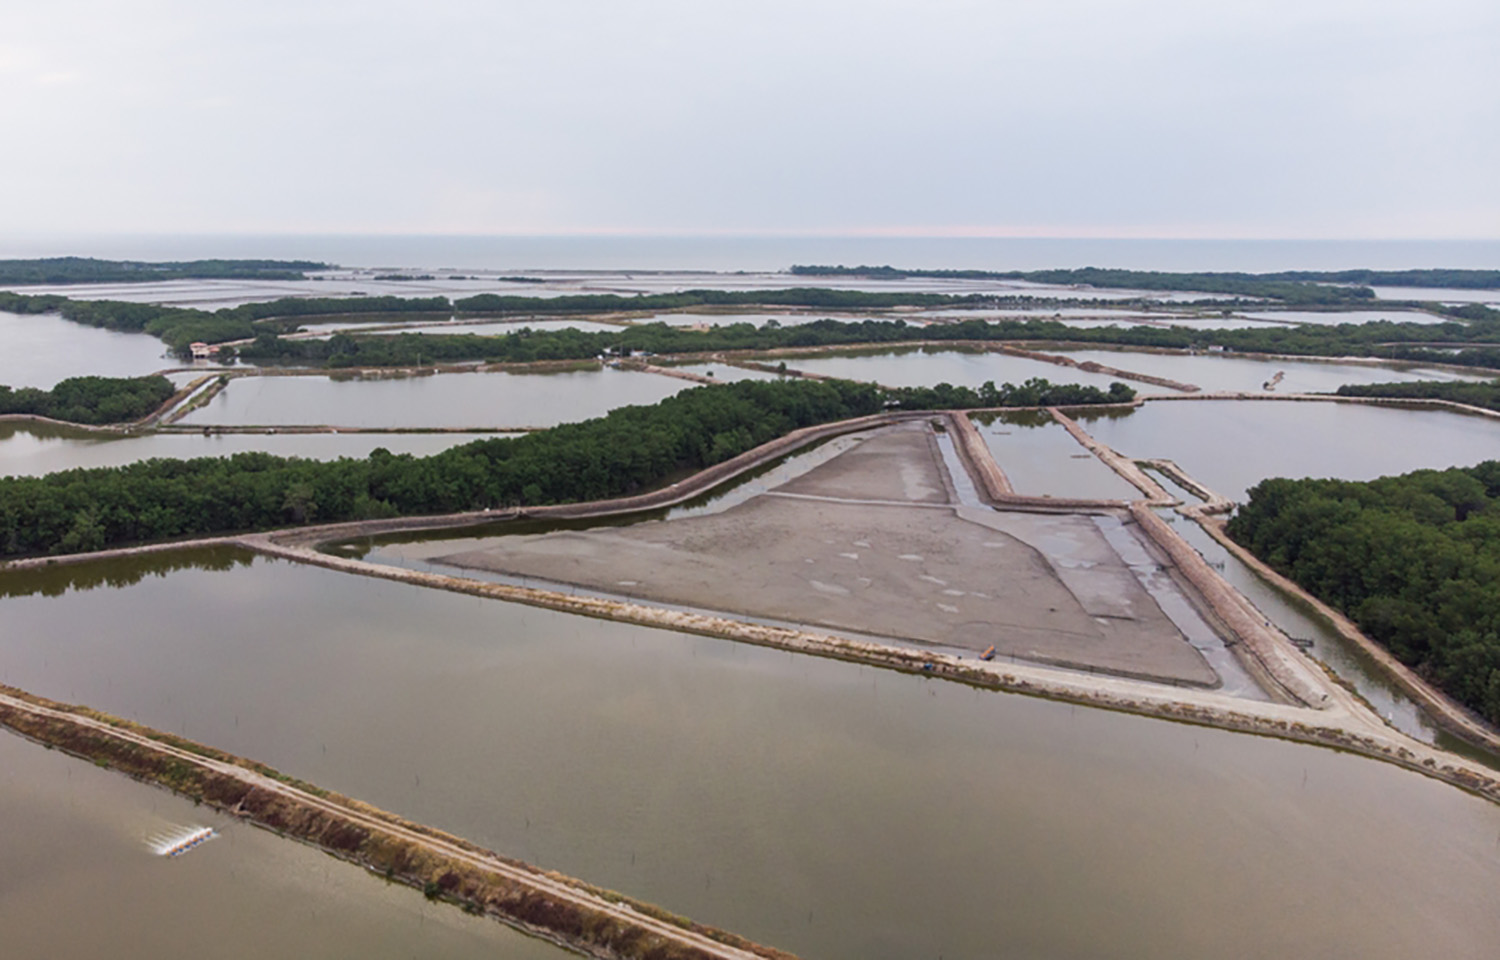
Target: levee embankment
{"type": "Point", "coordinates": [569, 912]}
{"type": "Point", "coordinates": [1272, 653]}
{"type": "Point", "coordinates": [1398, 402]}
{"type": "Point", "coordinates": [1440, 708]}
{"type": "Point", "coordinates": [642, 367]}
{"type": "Point", "coordinates": [1212, 501]}
{"type": "Point", "coordinates": [749, 357]}
{"type": "Point", "coordinates": [1121, 465]}
{"type": "Point", "coordinates": [144, 423]}
{"type": "Point", "coordinates": [1343, 723]}
{"type": "Point", "coordinates": [699, 483]}
{"type": "Point", "coordinates": [995, 487]}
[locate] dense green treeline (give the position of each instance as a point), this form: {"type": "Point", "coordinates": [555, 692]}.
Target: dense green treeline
{"type": "Point", "coordinates": [90, 270]}
{"type": "Point", "coordinates": [1299, 290]}
{"type": "Point", "coordinates": [1414, 560]}
{"type": "Point", "coordinates": [1485, 395]}
{"type": "Point", "coordinates": [176, 327]}
{"type": "Point", "coordinates": [494, 303]}
{"type": "Point", "coordinates": [1035, 392]}
{"type": "Point", "coordinates": [328, 306]}
{"type": "Point", "coordinates": [1440, 278]}
{"type": "Point", "coordinates": [630, 450]}
{"type": "Point", "coordinates": [180, 326]}
{"type": "Point", "coordinates": [1381, 339]}
{"type": "Point", "coordinates": [1290, 285]}
{"type": "Point", "coordinates": [90, 400]}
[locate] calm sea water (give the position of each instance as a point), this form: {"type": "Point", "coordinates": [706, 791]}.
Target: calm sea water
{"type": "Point", "coordinates": [773, 253]}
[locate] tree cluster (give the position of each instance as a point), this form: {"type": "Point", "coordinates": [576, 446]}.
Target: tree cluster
{"type": "Point", "coordinates": [1414, 560]}
{"type": "Point", "coordinates": [1287, 288]}
{"type": "Point", "coordinates": [630, 450]}
{"type": "Point", "coordinates": [1486, 394]}
{"type": "Point", "coordinates": [90, 400]}
{"type": "Point", "coordinates": [1035, 392]}
{"type": "Point", "coordinates": [90, 270]}
{"type": "Point", "coordinates": [1394, 341]}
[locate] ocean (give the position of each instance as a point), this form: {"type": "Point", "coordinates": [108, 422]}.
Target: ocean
{"type": "Point", "coordinates": [760, 253]}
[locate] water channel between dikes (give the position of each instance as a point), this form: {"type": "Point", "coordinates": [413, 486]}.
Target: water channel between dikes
{"type": "Point", "coordinates": [829, 809]}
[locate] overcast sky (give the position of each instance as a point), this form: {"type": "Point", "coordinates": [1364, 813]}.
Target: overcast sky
{"type": "Point", "coordinates": [1218, 118]}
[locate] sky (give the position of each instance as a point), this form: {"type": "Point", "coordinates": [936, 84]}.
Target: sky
{"type": "Point", "coordinates": [1025, 118]}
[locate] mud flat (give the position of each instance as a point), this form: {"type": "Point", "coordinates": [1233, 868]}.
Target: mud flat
{"type": "Point", "coordinates": [869, 543]}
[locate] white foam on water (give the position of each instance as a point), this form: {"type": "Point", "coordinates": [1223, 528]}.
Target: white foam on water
{"type": "Point", "coordinates": [176, 842]}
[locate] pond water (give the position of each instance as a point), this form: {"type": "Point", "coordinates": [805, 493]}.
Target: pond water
{"type": "Point", "coordinates": [928, 366]}
{"type": "Point", "coordinates": [754, 319]}
{"type": "Point", "coordinates": [32, 449]}
{"type": "Point", "coordinates": [500, 399]}
{"type": "Point", "coordinates": [1438, 294]}
{"type": "Point", "coordinates": [80, 882]}
{"type": "Point", "coordinates": [833, 810]}
{"type": "Point", "coordinates": [1231, 445]}
{"type": "Point", "coordinates": [723, 371]}
{"type": "Point", "coordinates": [366, 326]}
{"type": "Point", "coordinates": [39, 349]}
{"type": "Point", "coordinates": [1040, 458]}
{"type": "Point", "coordinates": [1344, 658]}
{"type": "Point", "coordinates": [1331, 318]}
{"type": "Point", "coordinates": [1215, 372]}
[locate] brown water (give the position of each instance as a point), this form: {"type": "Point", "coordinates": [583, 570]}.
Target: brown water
{"type": "Point", "coordinates": [1231, 445]}
{"type": "Point", "coordinates": [928, 366]}
{"type": "Point", "coordinates": [37, 350]}
{"type": "Point", "coordinates": [32, 449]}
{"type": "Point", "coordinates": [366, 325]}
{"type": "Point", "coordinates": [1216, 372]}
{"type": "Point", "coordinates": [724, 372]}
{"type": "Point", "coordinates": [490, 400]}
{"type": "Point", "coordinates": [830, 809]}
{"type": "Point", "coordinates": [79, 882]}
{"type": "Point", "coordinates": [1040, 458]}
